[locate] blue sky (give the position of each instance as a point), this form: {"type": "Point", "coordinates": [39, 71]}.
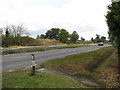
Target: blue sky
{"type": "Point", "coordinates": [84, 16]}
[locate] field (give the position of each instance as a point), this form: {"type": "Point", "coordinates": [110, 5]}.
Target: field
{"type": "Point", "coordinates": [22, 79]}
{"type": "Point", "coordinates": [100, 65]}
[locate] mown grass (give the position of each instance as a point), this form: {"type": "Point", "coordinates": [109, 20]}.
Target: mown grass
{"type": "Point", "coordinates": [22, 79]}
{"type": "Point", "coordinates": [87, 64]}
{"type": "Point", "coordinates": [36, 49]}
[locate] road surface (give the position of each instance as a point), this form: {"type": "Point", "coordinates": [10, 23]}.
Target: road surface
{"type": "Point", "coordinates": [20, 61]}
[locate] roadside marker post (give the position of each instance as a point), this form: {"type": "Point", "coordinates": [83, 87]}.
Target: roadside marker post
{"type": "Point", "coordinates": [33, 66]}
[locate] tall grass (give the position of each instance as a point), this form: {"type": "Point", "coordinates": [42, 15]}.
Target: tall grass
{"type": "Point", "coordinates": [106, 73]}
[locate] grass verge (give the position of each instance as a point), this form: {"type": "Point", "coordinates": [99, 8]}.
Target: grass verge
{"type": "Point", "coordinates": [22, 79]}
{"type": "Point", "coordinates": [23, 50]}
{"type": "Point", "coordinates": [90, 64]}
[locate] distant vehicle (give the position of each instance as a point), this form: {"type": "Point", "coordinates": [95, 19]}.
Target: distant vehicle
{"type": "Point", "coordinates": [100, 44]}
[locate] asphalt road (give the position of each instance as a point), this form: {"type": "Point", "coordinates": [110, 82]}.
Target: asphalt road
{"type": "Point", "coordinates": [20, 61]}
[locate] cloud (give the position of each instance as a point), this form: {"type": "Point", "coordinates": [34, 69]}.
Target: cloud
{"type": "Point", "coordinates": [84, 16]}
{"type": "Point", "coordinates": [52, 3]}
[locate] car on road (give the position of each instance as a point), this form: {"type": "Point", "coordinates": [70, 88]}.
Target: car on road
{"type": "Point", "coordinates": [100, 44]}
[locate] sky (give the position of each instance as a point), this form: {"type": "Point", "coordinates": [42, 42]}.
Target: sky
{"type": "Point", "coordinates": [87, 17]}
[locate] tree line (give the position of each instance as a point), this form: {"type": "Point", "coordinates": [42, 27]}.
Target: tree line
{"type": "Point", "coordinates": [99, 39]}
{"type": "Point", "coordinates": [17, 35]}
{"type": "Point", "coordinates": [13, 36]}
{"type": "Point", "coordinates": [63, 36]}
{"type": "Point", "coordinates": [60, 34]}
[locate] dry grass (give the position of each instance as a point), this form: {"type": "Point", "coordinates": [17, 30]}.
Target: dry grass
{"type": "Point", "coordinates": [107, 72]}
{"type": "Point", "coordinates": [49, 42]}
{"type": "Point", "coordinates": [18, 46]}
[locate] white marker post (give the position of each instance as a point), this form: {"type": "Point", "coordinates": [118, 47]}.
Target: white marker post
{"type": "Point", "coordinates": [33, 66]}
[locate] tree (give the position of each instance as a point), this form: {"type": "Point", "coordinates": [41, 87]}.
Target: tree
{"type": "Point", "coordinates": [7, 35]}
{"type": "Point", "coordinates": [38, 37]}
{"type": "Point", "coordinates": [53, 33]}
{"type": "Point", "coordinates": [97, 36]}
{"type": "Point", "coordinates": [48, 34]}
{"type": "Point", "coordinates": [113, 22]}
{"type": "Point", "coordinates": [7, 39]}
{"type": "Point", "coordinates": [74, 37]}
{"type": "Point", "coordinates": [93, 40]}
{"type": "Point", "coordinates": [63, 35]}
{"type": "Point", "coordinates": [98, 39]}
{"type": "Point", "coordinates": [1, 34]}
{"type": "Point", "coordinates": [103, 39]}
{"type": "Point", "coordinates": [42, 36]}
{"type": "Point", "coordinates": [16, 30]}
{"type": "Point", "coordinates": [13, 34]}
{"type": "Point", "coordinates": [111, 37]}
{"type": "Point", "coordinates": [83, 39]}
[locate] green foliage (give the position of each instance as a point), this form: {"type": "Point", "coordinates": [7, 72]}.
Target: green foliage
{"type": "Point", "coordinates": [98, 39]}
{"type": "Point", "coordinates": [83, 39]}
{"type": "Point", "coordinates": [113, 21]}
{"type": "Point", "coordinates": [74, 37]}
{"type": "Point", "coordinates": [22, 79]}
{"type": "Point", "coordinates": [58, 34]}
{"type": "Point", "coordinates": [7, 35]}
{"type": "Point", "coordinates": [13, 36]}
{"type": "Point", "coordinates": [19, 41]}
{"type": "Point", "coordinates": [92, 39]}
{"type": "Point", "coordinates": [63, 35]}
{"type": "Point", "coordinates": [103, 38]}
{"type": "Point", "coordinates": [38, 37]}
{"type": "Point", "coordinates": [7, 39]}
{"type": "Point", "coordinates": [53, 33]}
{"type": "Point", "coordinates": [42, 36]}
